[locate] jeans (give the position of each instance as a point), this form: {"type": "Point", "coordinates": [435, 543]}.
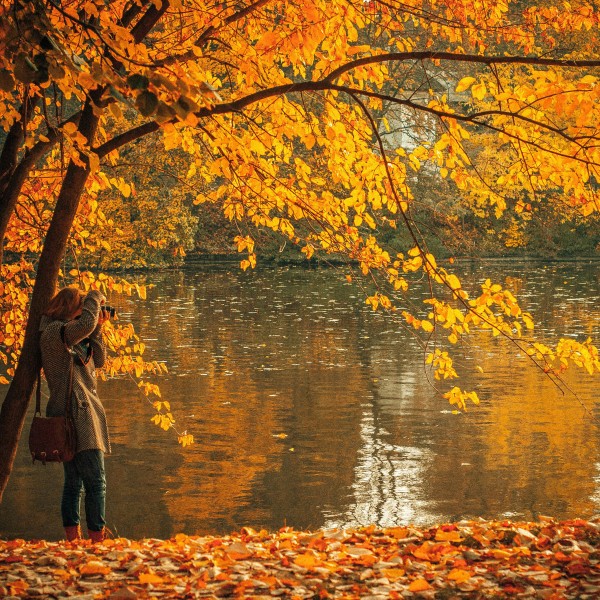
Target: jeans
{"type": "Point", "coordinates": [85, 471]}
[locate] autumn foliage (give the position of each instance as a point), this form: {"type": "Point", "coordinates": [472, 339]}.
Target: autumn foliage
{"type": "Point", "coordinates": [288, 115]}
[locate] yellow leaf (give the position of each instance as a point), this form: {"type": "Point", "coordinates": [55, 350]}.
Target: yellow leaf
{"type": "Point", "coordinates": [453, 281]}
{"type": "Point", "coordinates": [427, 326]}
{"type": "Point", "coordinates": [465, 83]}
{"type": "Point", "coordinates": [125, 189]}
{"type": "Point", "coordinates": [186, 439]}
{"type": "Point", "coordinates": [430, 260]}
{"type": "Point", "coordinates": [528, 321]}
{"type": "Point", "coordinates": [370, 221]}
{"type": "Point", "coordinates": [308, 561]}
{"type": "Point", "coordinates": [479, 91]}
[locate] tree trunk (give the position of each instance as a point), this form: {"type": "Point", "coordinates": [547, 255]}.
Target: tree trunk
{"type": "Point", "coordinates": [14, 407]}
{"type": "Point", "coordinates": [12, 190]}
{"type": "Point", "coordinates": [12, 172]}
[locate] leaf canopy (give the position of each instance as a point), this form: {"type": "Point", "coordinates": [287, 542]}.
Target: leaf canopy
{"type": "Point", "coordinates": [313, 119]}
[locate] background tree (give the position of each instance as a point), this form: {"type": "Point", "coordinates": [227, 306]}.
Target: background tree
{"type": "Point", "coordinates": [279, 107]}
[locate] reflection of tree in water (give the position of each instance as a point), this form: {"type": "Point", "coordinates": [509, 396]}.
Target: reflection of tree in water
{"type": "Point", "coordinates": [388, 486]}
{"type": "Point", "coordinates": [388, 481]}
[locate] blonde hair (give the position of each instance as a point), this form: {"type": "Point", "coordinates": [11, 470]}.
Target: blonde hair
{"type": "Point", "coordinates": [64, 303]}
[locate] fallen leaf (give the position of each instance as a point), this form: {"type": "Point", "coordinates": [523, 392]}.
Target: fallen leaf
{"type": "Point", "coordinates": [238, 551]}
{"type": "Point", "coordinates": [150, 578]}
{"type": "Point", "coordinates": [419, 585]}
{"type": "Point", "coordinates": [393, 574]}
{"type": "Point", "coordinates": [94, 567]}
{"type": "Point", "coordinates": [448, 536]}
{"type": "Point", "coordinates": [308, 560]}
{"type": "Point", "coordinates": [459, 575]}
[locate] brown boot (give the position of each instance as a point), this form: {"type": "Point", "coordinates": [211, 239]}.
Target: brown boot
{"type": "Point", "coordinates": [96, 536]}
{"type": "Point", "coordinates": [73, 532]}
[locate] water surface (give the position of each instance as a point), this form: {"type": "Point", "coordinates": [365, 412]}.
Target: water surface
{"type": "Point", "coordinates": [311, 410]}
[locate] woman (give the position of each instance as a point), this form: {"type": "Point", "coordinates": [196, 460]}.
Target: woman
{"type": "Point", "coordinates": [71, 330]}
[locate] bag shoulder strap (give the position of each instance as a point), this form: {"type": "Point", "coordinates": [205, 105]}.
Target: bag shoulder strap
{"type": "Point", "coordinates": [38, 394]}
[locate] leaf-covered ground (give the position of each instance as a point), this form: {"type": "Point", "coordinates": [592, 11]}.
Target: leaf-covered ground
{"type": "Point", "coordinates": [471, 559]}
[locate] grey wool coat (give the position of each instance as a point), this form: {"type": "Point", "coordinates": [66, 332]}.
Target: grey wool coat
{"type": "Point", "coordinates": [88, 412]}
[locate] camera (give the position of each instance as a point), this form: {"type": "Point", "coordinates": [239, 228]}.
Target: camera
{"type": "Point", "coordinates": [111, 310]}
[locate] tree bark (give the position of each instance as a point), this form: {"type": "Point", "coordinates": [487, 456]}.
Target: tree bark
{"type": "Point", "coordinates": [11, 175]}
{"type": "Point", "coordinates": [14, 407]}
{"type": "Point", "coordinates": [12, 190]}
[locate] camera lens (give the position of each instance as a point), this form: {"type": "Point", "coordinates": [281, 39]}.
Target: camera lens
{"type": "Point", "coordinates": [111, 310]}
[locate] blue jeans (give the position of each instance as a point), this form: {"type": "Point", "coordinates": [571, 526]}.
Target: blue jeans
{"type": "Point", "coordinates": [85, 471]}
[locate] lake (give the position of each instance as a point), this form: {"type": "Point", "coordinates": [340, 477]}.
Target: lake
{"type": "Point", "coordinates": [311, 410]}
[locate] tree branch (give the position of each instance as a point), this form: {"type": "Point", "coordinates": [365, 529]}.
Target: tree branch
{"type": "Point", "coordinates": [209, 33]}
{"type": "Point", "coordinates": [457, 57]}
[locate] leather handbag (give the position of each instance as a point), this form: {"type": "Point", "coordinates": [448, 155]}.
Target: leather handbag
{"type": "Point", "coordinates": [53, 439]}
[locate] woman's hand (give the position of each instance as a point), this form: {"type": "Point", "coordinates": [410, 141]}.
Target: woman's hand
{"type": "Point", "coordinates": [103, 315]}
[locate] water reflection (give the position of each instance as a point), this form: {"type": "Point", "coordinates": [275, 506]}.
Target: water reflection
{"type": "Point", "coordinates": [310, 410]}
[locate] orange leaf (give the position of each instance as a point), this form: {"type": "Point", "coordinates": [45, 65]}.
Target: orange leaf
{"type": "Point", "coordinates": [150, 578]}
{"type": "Point", "coordinates": [308, 561]}
{"type": "Point", "coordinates": [94, 567]}
{"type": "Point", "coordinates": [424, 551]}
{"type": "Point", "coordinates": [238, 551]}
{"type": "Point", "coordinates": [459, 575]}
{"type": "Point", "coordinates": [393, 574]}
{"type": "Point", "coordinates": [448, 536]}
{"type": "Point", "coordinates": [419, 585]}
{"type": "Point", "coordinates": [398, 533]}
{"type": "Point", "coordinates": [19, 586]}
